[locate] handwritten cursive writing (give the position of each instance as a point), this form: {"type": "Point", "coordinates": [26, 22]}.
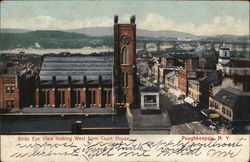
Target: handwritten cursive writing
{"type": "Point", "coordinates": [130, 148]}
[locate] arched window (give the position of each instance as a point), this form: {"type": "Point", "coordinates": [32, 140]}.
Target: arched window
{"type": "Point", "coordinates": [126, 79]}
{"type": "Point", "coordinates": [78, 97]}
{"type": "Point", "coordinates": [124, 55]}
{"type": "Point", "coordinates": [59, 97]}
{"type": "Point", "coordinates": [63, 97]}
{"type": "Point", "coordinates": [109, 97]}
{"type": "Point", "coordinates": [48, 98]}
{"type": "Point", "coordinates": [43, 97]}
{"type": "Point", "coordinates": [94, 97]}
{"type": "Point", "coordinates": [90, 96]}
{"type": "Point", "coordinates": [105, 97]}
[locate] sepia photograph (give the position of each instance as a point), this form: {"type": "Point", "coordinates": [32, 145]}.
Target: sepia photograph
{"type": "Point", "coordinates": [137, 80]}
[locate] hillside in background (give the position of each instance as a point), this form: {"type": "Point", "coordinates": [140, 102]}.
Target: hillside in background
{"type": "Point", "coordinates": [51, 39]}
{"type": "Point", "coordinates": [92, 37]}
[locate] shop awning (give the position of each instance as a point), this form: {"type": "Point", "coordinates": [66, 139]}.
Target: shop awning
{"type": "Point", "coordinates": [189, 100]}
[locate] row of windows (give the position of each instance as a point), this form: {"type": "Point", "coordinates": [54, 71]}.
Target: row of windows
{"type": "Point", "coordinates": [226, 111]}
{"type": "Point", "coordinates": [193, 95]}
{"type": "Point", "coordinates": [45, 98]}
{"type": "Point", "coordinates": [10, 89]}
{"type": "Point", "coordinates": [10, 104]}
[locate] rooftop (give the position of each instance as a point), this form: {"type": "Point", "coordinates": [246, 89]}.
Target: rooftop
{"type": "Point", "coordinates": [182, 56]}
{"type": "Point", "coordinates": [194, 81]}
{"type": "Point", "coordinates": [236, 100]}
{"type": "Point", "coordinates": [59, 124]}
{"type": "Point", "coordinates": [77, 67]}
{"type": "Point", "coordinates": [172, 73]}
{"type": "Point", "coordinates": [150, 89]}
{"type": "Point", "coordinates": [210, 79]}
{"type": "Point", "coordinates": [56, 111]}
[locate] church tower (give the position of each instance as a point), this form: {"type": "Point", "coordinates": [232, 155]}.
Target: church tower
{"type": "Point", "coordinates": [224, 55]}
{"type": "Point", "coordinates": [124, 70]}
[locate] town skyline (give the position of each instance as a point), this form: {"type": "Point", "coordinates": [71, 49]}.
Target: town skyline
{"type": "Point", "coordinates": [197, 18]}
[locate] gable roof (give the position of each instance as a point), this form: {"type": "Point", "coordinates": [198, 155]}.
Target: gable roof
{"type": "Point", "coordinates": [77, 67]}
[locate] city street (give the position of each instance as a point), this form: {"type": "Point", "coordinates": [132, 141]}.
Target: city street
{"type": "Point", "coordinates": [184, 118]}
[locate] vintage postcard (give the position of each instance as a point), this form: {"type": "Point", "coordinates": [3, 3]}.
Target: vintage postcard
{"type": "Point", "coordinates": [135, 80]}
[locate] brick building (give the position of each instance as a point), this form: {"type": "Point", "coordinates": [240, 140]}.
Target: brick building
{"type": "Point", "coordinates": [183, 77]}
{"type": "Point", "coordinates": [9, 95]}
{"type": "Point", "coordinates": [17, 90]}
{"type": "Point", "coordinates": [74, 81]}
{"type": "Point", "coordinates": [88, 81]}
{"type": "Point", "coordinates": [187, 61]}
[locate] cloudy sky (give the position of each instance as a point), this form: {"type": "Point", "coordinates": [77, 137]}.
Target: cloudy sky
{"type": "Point", "coordinates": [196, 17]}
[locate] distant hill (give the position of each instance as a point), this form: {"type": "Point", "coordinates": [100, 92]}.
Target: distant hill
{"type": "Point", "coordinates": [14, 30]}
{"type": "Point", "coordinates": [107, 31]}
{"type": "Point", "coordinates": [92, 37]}
{"type": "Point", "coordinates": [93, 31]}
{"type": "Point", "coordinates": [51, 40]}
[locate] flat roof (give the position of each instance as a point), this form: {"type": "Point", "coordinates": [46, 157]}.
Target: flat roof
{"type": "Point", "coordinates": [58, 111]}
{"type": "Point", "coordinates": [59, 124]}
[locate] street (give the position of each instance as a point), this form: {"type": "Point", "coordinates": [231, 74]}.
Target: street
{"type": "Point", "coordinates": [184, 118]}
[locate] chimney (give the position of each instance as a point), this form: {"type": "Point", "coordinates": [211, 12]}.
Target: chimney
{"type": "Point", "coordinates": [76, 127]}
{"type": "Point", "coordinates": [85, 80]}
{"type": "Point", "coordinates": [69, 80]}
{"type": "Point", "coordinates": [37, 81]}
{"type": "Point", "coordinates": [54, 79]}
{"type": "Point", "coordinates": [116, 19]}
{"type": "Point", "coordinates": [100, 79]}
{"type": "Point", "coordinates": [132, 19]}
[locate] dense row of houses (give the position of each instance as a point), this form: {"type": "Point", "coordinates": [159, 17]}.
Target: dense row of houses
{"type": "Point", "coordinates": [199, 86]}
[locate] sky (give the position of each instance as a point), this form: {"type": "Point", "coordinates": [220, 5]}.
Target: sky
{"type": "Point", "coordinates": [194, 17]}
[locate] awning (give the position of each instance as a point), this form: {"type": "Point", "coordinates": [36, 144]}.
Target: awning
{"type": "Point", "coordinates": [214, 115]}
{"type": "Point", "coordinates": [189, 100]}
{"type": "Point", "coordinates": [210, 113]}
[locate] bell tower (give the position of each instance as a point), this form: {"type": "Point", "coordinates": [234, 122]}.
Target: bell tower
{"type": "Point", "coordinates": [124, 70]}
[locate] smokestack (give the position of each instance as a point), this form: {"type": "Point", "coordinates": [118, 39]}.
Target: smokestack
{"type": "Point", "coordinates": [85, 80]}
{"type": "Point", "coordinates": [132, 19]}
{"type": "Point", "coordinates": [100, 79]}
{"type": "Point", "coordinates": [116, 19]}
{"type": "Point", "coordinates": [54, 79]}
{"type": "Point", "coordinates": [69, 80]}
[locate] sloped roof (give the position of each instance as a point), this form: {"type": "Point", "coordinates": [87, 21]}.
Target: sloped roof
{"type": "Point", "coordinates": [77, 67]}
{"type": "Point", "coordinates": [237, 100]}
{"type": "Point", "coordinates": [172, 73]}
{"type": "Point", "coordinates": [210, 79]}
